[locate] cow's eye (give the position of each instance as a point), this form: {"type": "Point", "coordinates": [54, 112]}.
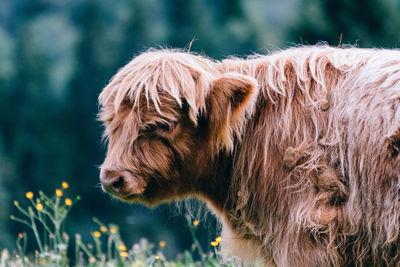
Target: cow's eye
{"type": "Point", "coordinates": [159, 127]}
{"type": "Point", "coordinates": [165, 127]}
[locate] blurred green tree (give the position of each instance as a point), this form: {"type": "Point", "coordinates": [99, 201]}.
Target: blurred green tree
{"type": "Point", "coordinates": [365, 23]}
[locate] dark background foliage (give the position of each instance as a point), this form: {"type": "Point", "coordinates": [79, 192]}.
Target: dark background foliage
{"type": "Point", "coordinates": [56, 56]}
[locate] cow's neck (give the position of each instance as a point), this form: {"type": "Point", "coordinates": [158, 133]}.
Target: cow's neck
{"type": "Point", "coordinates": [215, 183]}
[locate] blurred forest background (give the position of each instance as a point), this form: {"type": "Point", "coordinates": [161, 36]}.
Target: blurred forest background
{"type": "Point", "coordinates": [57, 55]}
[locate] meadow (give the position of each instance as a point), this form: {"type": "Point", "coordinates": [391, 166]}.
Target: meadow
{"type": "Point", "coordinates": [44, 217]}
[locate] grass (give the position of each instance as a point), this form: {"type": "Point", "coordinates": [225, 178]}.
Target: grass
{"type": "Point", "coordinates": [46, 215]}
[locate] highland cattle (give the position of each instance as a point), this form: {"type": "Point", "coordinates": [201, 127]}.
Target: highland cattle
{"type": "Point", "coordinates": [296, 151]}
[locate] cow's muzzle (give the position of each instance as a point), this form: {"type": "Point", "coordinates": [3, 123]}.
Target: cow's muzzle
{"type": "Point", "coordinates": [121, 184]}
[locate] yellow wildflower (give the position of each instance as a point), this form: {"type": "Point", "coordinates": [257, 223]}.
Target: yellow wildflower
{"type": "Point", "coordinates": [39, 206]}
{"type": "Point", "coordinates": [122, 247]}
{"type": "Point", "coordinates": [92, 260]}
{"type": "Point", "coordinates": [29, 195]}
{"type": "Point", "coordinates": [123, 254]}
{"type": "Point", "coordinates": [113, 230]}
{"type": "Point", "coordinates": [214, 243]}
{"type": "Point", "coordinates": [139, 263]}
{"type": "Point", "coordinates": [16, 203]}
{"type": "Point", "coordinates": [96, 234]}
{"type": "Point", "coordinates": [157, 257]}
{"type": "Point", "coordinates": [218, 239]}
{"type": "Point", "coordinates": [196, 222]}
{"type": "Point", "coordinates": [103, 228]}
{"type": "Point", "coordinates": [162, 244]}
{"type": "Point", "coordinates": [59, 193]}
{"type": "Point", "coordinates": [20, 235]}
{"type": "Point", "coordinates": [65, 185]}
{"type": "Point", "coordinates": [68, 202]}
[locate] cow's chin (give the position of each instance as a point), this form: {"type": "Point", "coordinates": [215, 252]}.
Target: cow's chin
{"type": "Point", "coordinates": [130, 198]}
{"type": "Point", "coordinates": [146, 198]}
{"type": "Point", "coordinates": [139, 191]}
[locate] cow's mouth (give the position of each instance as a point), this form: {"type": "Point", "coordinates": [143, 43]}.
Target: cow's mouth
{"type": "Point", "coordinates": [130, 198]}
{"type": "Point", "coordinates": [135, 189]}
{"type": "Point", "coordinates": [127, 189]}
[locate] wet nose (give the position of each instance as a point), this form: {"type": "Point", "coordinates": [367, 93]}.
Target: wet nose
{"type": "Point", "coordinates": [112, 181]}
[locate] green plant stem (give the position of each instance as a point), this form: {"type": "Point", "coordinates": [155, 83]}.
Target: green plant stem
{"type": "Point", "coordinates": [20, 220]}
{"type": "Point", "coordinates": [98, 221]}
{"type": "Point", "coordinates": [25, 242]}
{"type": "Point", "coordinates": [98, 247]}
{"type": "Point", "coordinates": [193, 234]}
{"type": "Point", "coordinates": [48, 201]}
{"type": "Point", "coordinates": [57, 221]}
{"type": "Point", "coordinates": [43, 222]}
{"type": "Point", "coordinates": [21, 250]}
{"type": "Point", "coordinates": [85, 249]}
{"type": "Point", "coordinates": [48, 215]}
{"type": "Point", "coordinates": [22, 210]}
{"type": "Point", "coordinates": [35, 231]}
{"type": "Point", "coordinates": [109, 245]}
{"type": "Point", "coordinates": [77, 239]}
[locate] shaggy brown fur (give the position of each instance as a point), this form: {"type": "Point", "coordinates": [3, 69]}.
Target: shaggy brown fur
{"type": "Point", "coordinates": [296, 151]}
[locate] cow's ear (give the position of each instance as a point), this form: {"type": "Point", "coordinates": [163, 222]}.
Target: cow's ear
{"type": "Point", "coordinates": [230, 103]}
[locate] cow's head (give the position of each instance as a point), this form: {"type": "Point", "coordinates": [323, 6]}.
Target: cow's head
{"type": "Point", "coordinates": [165, 114]}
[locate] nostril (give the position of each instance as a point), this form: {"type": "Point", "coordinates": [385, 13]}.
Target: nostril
{"type": "Point", "coordinates": [114, 182]}
{"type": "Point", "coordinates": [118, 184]}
